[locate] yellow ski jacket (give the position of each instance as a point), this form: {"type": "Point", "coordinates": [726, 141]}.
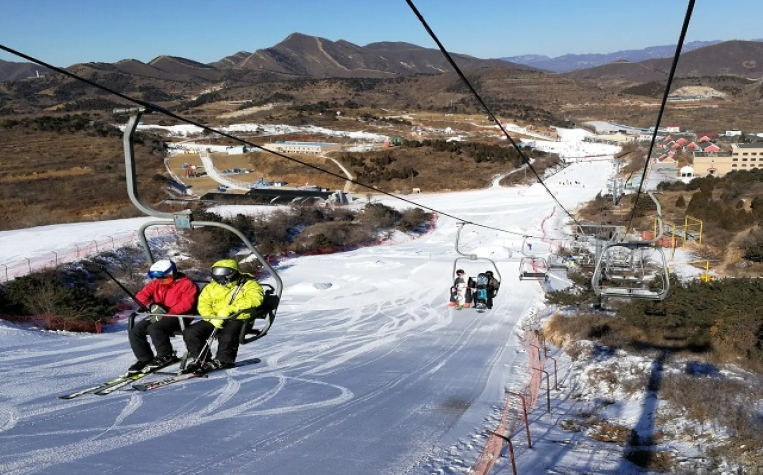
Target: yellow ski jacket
{"type": "Point", "coordinates": [218, 300]}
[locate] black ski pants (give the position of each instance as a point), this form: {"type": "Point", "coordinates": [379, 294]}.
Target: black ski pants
{"type": "Point", "coordinates": [491, 293]}
{"type": "Point", "coordinates": [160, 333]}
{"type": "Point", "coordinates": [196, 336]}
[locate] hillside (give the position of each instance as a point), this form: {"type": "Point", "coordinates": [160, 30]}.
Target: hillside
{"type": "Point", "coordinates": [571, 62]}
{"type": "Point", "coordinates": [743, 59]}
{"type": "Point", "coordinates": [68, 169]}
{"type": "Point", "coordinates": [302, 71]}
{"type": "Point", "coordinates": [311, 56]}
{"type": "Point", "coordinates": [12, 71]}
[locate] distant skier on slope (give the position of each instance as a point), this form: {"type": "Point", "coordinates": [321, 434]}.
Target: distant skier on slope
{"type": "Point", "coordinates": [168, 292]}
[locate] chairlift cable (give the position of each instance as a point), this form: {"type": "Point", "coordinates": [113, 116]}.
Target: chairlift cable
{"type": "Point", "coordinates": [676, 57]}
{"type": "Point", "coordinates": [468, 84]}
{"type": "Point", "coordinates": [162, 110]}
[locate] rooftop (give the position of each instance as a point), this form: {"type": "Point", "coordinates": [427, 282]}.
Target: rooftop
{"type": "Point", "coordinates": [305, 143]}
{"type": "Point", "coordinates": [747, 145]}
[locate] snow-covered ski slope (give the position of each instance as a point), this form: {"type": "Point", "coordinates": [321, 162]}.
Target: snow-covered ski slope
{"type": "Point", "coordinates": [365, 371]}
{"type": "Point", "coordinates": [214, 173]}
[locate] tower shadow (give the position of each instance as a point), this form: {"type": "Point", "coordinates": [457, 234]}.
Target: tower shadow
{"type": "Point", "coordinates": [639, 449]}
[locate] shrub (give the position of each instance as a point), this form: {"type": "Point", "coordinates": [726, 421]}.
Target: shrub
{"type": "Point", "coordinates": [53, 292]}
{"type": "Point", "coordinates": [379, 216]}
{"type": "Point", "coordinates": [329, 237]}
{"type": "Point", "coordinates": [753, 247]}
{"type": "Point", "coordinates": [414, 219]}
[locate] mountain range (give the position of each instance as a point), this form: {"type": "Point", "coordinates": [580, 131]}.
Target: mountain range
{"type": "Point", "coordinates": [301, 55]}
{"type": "Point", "coordinates": [572, 62]}
{"type": "Point", "coordinates": [304, 69]}
{"type": "Point", "coordinates": [298, 55]}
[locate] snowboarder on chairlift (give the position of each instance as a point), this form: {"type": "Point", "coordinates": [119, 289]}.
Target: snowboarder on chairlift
{"type": "Point", "coordinates": [230, 292]}
{"type": "Point", "coordinates": [459, 289]}
{"type": "Point", "coordinates": [481, 292]}
{"type": "Point", "coordinates": [168, 292]}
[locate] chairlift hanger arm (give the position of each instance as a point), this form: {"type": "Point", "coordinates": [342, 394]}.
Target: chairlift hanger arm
{"type": "Point", "coordinates": [130, 172]}
{"type": "Point", "coordinates": [471, 257]}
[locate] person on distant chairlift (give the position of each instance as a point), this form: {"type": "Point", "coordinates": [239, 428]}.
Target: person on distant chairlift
{"type": "Point", "coordinates": [168, 292]}
{"type": "Point", "coordinates": [460, 286]}
{"type": "Point", "coordinates": [492, 288]}
{"type": "Point", "coordinates": [230, 292]}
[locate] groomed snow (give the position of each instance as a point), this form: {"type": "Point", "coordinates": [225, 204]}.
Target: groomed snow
{"type": "Point", "coordinates": [186, 130]}
{"type": "Point", "coordinates": [366, 369]}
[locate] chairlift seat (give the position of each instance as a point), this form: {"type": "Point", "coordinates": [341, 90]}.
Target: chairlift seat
{"type": "Point", "coordinates": [609, 261]}
{"type": "Point", "coordinates": [634, 293]}
{"type": "Point", "coordinates": [266, 311]}
{"type": "Point", "coordinates": [626, 278]}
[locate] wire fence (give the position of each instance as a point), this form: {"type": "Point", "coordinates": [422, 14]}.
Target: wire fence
{"type": "Point", "coordinates": [512, 418]}
{"type": "Point", "coordinates": [53, 258]}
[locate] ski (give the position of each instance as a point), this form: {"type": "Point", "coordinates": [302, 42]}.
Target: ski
{"type": "Point", "coordinates": [109, 387]}
{"type": "Point", "coordinates": [93, 389]}
{"type": "Point", "coordinates": [124, 382]}
{"type": "Point", "coordinates": [160, 383]}
{"type": "Point", "coordinates": [106, 388]}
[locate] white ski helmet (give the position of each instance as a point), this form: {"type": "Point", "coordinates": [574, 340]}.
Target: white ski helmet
{"type": "Point", "coordinates": [161, 269]}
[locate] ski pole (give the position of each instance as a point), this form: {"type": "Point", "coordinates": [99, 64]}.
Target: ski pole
{"type": "Point", "coordinates": [130, 294]}
{"type": "Point", "coordinates": [207, 345]}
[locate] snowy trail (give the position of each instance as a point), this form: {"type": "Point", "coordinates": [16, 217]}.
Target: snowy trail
{"type": "Point", "coordinates": [366, 369]}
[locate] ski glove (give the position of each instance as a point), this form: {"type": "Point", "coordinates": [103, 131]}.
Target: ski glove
{"type": "Point", "coordinates": [219, 323]}
{"type": "Point", "coordinates": [157, 309]}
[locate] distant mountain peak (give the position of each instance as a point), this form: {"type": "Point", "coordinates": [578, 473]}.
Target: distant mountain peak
{"type": "Point", "coordinates": [311, 56]}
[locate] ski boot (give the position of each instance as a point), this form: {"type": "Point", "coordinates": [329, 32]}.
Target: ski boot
{"type": "Point", "coordinates": [137, 367]}
{"type": "Point", "coordinates": [215, 365]}
{"type": "Point", "coordinates": [160, 362]}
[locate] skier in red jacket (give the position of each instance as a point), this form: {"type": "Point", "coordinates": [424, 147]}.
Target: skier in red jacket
{"type": "Point", "coordinates": [169, 292]}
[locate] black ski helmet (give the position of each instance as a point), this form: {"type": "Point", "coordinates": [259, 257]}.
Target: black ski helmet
{"type": "Point", "coordinates": [460, 271]}
{"type": "Point", "coordinates": [489, 273]}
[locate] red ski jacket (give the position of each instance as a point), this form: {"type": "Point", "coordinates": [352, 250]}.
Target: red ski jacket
{"type": "Point", "coordinates": [179, 297]}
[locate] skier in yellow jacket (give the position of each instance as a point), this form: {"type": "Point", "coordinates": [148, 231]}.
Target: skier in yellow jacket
{"type": "Point", "coordinates": [230, 293]}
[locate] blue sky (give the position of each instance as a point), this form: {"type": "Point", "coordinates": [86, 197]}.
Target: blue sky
{"type": "Point", "coordinates": [65, 32]}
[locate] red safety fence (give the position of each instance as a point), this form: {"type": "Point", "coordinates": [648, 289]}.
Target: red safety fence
{"type": "Point", "coordinates": [75, 252]}
{"type": "Point", "coordinates": [512, 418]}
{"type": "Point", "coordinates": [49, 321]}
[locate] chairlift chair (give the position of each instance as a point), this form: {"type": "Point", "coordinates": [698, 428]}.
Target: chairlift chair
{"type": "Point", "coordinates": [531, 266]}
{"type": "Point", "coordinates": [183, 220]}
{"type": "Point", "coordinates": [625, 266]}
{"type": "Point", "coordinates": [616, 260]}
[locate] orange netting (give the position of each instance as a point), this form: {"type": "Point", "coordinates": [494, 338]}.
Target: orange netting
{"type": "Point", "coordinates": [512, 418]}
